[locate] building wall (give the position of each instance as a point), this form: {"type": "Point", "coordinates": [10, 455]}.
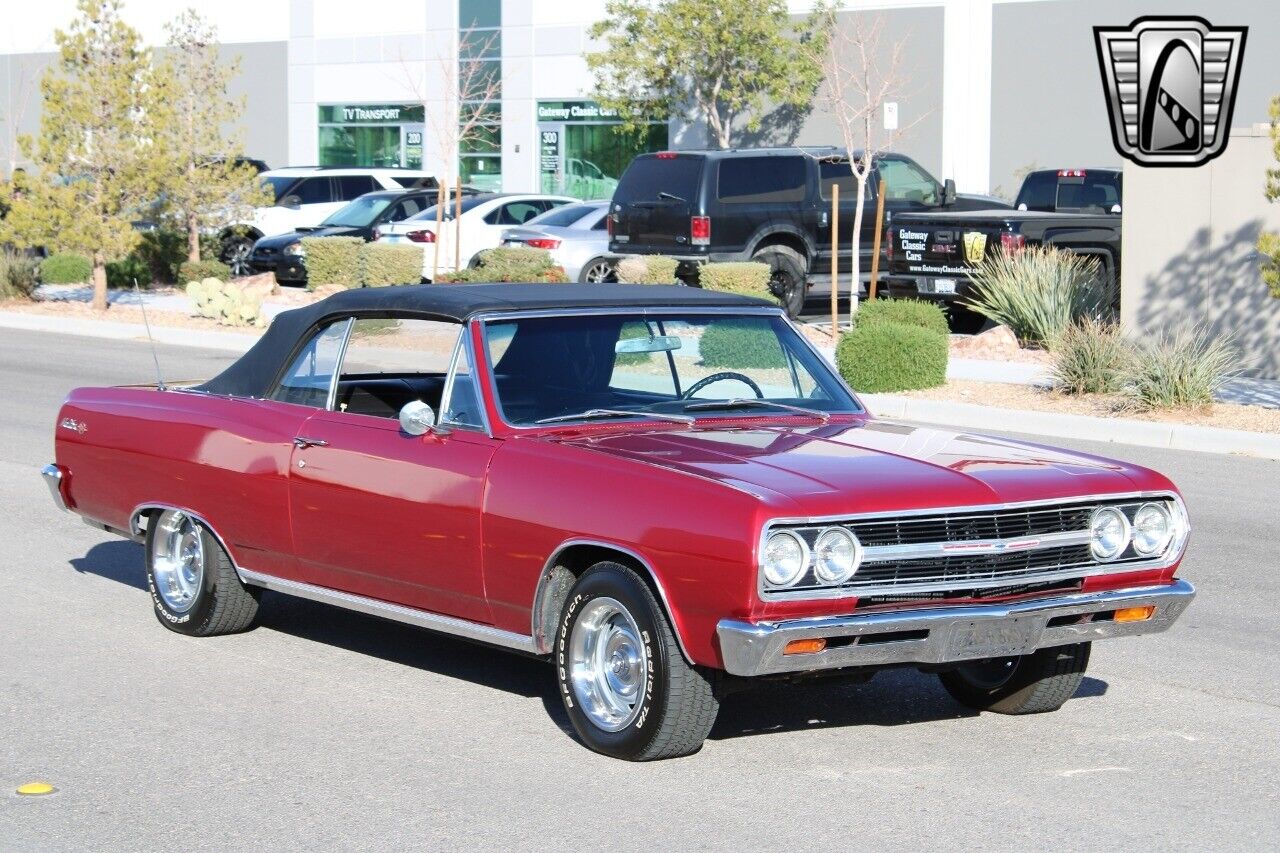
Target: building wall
{"type": "Point", "coordinates": [1047, 103]}
{"type": "Point", "coordinates": [1188, 250]}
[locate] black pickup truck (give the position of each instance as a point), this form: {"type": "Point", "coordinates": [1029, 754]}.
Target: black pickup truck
{"type": "Point", "coordinates": [930, 255]}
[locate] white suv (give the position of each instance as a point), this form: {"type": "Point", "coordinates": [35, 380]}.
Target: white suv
{"type": "Point", "coordinates": [305, 196]}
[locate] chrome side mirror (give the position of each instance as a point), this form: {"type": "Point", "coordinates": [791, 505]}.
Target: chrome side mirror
{"type": "Point", "coordinates": [417, 418]}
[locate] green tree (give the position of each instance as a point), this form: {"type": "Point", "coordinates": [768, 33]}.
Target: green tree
{"type": "Point", "coordinates": [1269, 241]}
{"type": "Point", "coordinates": [206, 181]}
{"type": "Point", "coordinates": [726, 59]}
{"type": "Point", "coordinates": [94, 158]}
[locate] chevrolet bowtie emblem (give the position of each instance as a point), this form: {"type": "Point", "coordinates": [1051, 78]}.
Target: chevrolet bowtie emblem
{"type": "Point", "coordinates": [1170, 85]}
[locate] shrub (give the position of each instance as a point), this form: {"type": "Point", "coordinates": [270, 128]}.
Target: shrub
{"type": "Point", "coordinates": [18, 273]}
{"type": "Point", "coordinates": [200, 270]}
{"type": "Point", "coordinates": [163, 252]}
{"type": "Point", "coordinates": [908, 312]}
{"type": "Point", "coordinates": [877, 357]}
{"type": "Point", "coordinates": [387, 263]}
{"type": "Point", "coordinates": [740, 344]}
{"type": "Point", "coordinates": [1091, 357]}
{"type": "Point", "coordinates": [122, 274]}
{"type": "Point", "coordinates": [65, 268]}
{"type": "Point", "coordinates": [516, 264]}
{"type": "Point", "coordinates": [229, 303]}
{"type": "Point", "coordinates": [647, 269]}
{"type": "Point", "coordinates": [333, 260]}
{"type": "Point", "coordinates": [1179, 370]}
{"type": "Point", "coordinates": [747, 278]}
{"type": "Point", "coordinates": [1037, 292]}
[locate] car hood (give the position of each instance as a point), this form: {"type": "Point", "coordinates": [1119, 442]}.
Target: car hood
{"type": "Point", "coordinates": [279, 241]}
{"type": "Point", "coordinates": [874, 466]}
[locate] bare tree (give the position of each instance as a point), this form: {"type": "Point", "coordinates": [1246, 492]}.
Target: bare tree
{"type": "Point", "coordinates": [19, 99]}
{"type": "Point", "coordinates": [862, 74]}
{"type": "Point", "coordinates": [460, 115]}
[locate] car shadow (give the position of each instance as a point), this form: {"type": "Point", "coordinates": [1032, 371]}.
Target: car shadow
{"type": "Point", "coordinates": [894, 697]}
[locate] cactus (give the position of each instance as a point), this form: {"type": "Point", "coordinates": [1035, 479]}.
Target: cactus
{"type": "Point", "coordinates": [228, 303]}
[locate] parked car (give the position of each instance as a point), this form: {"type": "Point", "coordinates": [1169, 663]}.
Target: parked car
{"type": "Point", "coordinates": [306, 196]}
{"type": "Point", "coordinates": [484, 219]}
{"type": "Point", "coordinates": [930, 255]}
{"type": "Point", "coordinates": [569, 472]}
{"type": "Point", "coordinates": [576, 237]}
{"type": "Point", "coordinates": [283, 254]}
{"type": "Point", "coordinates": [769, 205]}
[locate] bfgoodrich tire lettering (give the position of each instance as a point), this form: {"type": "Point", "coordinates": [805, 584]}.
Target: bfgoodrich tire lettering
{"type": "Point", "coordinates": [676, 705]}
{"type": "Point", "coordinates": [221, 604]}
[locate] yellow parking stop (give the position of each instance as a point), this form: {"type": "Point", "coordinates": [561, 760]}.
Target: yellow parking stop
{"type": "Point", "coordinates": [36, 789]}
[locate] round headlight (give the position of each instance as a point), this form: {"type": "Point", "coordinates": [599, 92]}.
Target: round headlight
{"type": "Point", "coordinates": [836, 555]}
{"type": "Point", "coordinates": [784, 559]}
{"type": "Point", "coordinates": [1152, 529]}
{"type": "Point", "coordinates": [1108, 533]}
{"type": "Point", "coordinates": [294, 249]}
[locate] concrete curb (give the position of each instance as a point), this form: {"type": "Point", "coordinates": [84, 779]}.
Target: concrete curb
{"type": "Point", "coordinates": [206, 338]}
{"type": "Point", "coordinates": [1118, 430]}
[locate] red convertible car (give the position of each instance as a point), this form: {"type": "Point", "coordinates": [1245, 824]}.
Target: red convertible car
{"type": "Point", "coordinates": [665, 491]}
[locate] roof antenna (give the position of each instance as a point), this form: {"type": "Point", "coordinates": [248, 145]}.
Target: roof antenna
{"type": "Point", "coordinates": [160, 386]}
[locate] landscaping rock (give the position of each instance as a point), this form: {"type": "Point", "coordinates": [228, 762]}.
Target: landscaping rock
{"type": "Point", "coordinates": [998, 343]}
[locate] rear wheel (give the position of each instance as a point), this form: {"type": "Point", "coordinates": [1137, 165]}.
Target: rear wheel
{"type": "Point", "coordinates": [625, 684]}
{"type": "Point", "coordinates": [788, 278]}
{"type": "Point", "coordinates": [236, 249]}
{"type": "Point", "coordinates": [193, 584]}
{"type": "Point", "coordinates": [598, 271]}
{"type": "Point", "coordinates": [1029, 684]}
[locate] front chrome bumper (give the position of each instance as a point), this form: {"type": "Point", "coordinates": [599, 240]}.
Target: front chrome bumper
{"type": "Point", "coordinates": [52, 475]}
{"type": "Point", "coordinates": [927, 635]}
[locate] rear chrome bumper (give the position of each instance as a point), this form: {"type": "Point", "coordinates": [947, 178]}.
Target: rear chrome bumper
{"type": "Point", "coordinates": [52, 475]}
{"type": "Point", "coordinates": [932, 635]}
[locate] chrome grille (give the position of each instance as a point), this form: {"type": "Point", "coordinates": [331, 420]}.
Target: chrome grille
{"type": "Point", "coordinates": [970, 551]}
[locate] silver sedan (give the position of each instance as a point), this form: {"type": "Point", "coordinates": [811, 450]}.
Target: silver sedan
{"type": "Point", "coordinates": [576, 237]}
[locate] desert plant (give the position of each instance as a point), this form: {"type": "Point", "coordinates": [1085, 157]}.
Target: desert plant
{"type": "Point", "coordinates": [740, 344]}
{"type": "Point", "coordinates": [332, 260]}
{"type": "Point", "coordinates": [747, 278]}
{"type": "Point", "coordinates": [198, 270]}
{"type": "Point", "coordinates": [516, 264]}
{"type": "Point", "coordinates": [908, 312]}
{"type": "Point", "coordinates": [1179, 369]}
{"type": "Point", "coordinates": [877, 357]}
{"type": "Point", "coordinates": [18, 274]}
{"type": "Point", "coordinates": [1090, 357]}
{"type": "Point", "coordinates": [65, 268]}
{"type": "Point", "coordinates": [229, 303]}
{"type": "Point", "coordinates": [387, 263]}
{"type": "Point", "coordinates": [647, 269]}
{"type": "Point", "coordinates": [122, 274]}
{"type": "Point", "coordinates": [1038, 292]}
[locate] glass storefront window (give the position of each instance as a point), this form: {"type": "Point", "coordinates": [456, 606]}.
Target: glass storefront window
{"type": "Point", "coordinates": [359, 146]}
{"type": "Point", "coordinates": [376, 135]}
{"type": "Point", "coordinates": [484, 172]}
{"type": "Point", "coordinates": [475, 14]}
{"type": "Point", "coordinates": [582, 152]}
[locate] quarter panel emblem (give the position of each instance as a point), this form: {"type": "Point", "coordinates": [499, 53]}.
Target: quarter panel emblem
{"type": "Point", "coordinates": [1170, 84]}
{"type": "Point", "coordinates": [74, 425]}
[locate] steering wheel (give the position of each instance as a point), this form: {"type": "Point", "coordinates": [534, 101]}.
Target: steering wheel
{"type": "Point", "coordinates": [720, 377]}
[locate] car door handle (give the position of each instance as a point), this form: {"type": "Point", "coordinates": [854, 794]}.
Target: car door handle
{"type": "Point", "coordinates": [303, 443]}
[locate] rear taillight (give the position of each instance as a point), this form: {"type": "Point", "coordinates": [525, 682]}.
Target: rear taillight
{"type": "Point", "coordinates": [700, 230]}
{"type": "Point", "coordinates": [543, 243]}
{"type": "Point", "coordinates": [421, 236]}
{"type": "Point", "coordinates": [1011, 242]}
{"type": "Point", "coordinates": [608, 223]}
{"type": "Point", "coordinates": [888, 243]}
{"type": "Point", "coordinates": [1071, 173]}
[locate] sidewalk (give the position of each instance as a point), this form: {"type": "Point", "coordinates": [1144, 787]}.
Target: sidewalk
{"type": "Point", "coordinates": [151, 300]}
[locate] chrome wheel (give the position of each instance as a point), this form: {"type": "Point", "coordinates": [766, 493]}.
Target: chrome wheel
{"type": "Point", "coordinates": [607, 664]}
{"type": "Point", "coordinates": [177, 560]}
{"type": "Point", "coordinates": [235, 254]}
{"type": "Point", "coordinates": [598, 272]}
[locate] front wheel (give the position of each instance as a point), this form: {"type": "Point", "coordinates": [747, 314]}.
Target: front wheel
{"type": "Point", "coordinates": [787, 279]}
{"type": "Point", "coordinates": [236, 249]}
{"type": "Point", "coordinates": [625, 684]}
{"type": "Point", "coordinates": [1029, 684]}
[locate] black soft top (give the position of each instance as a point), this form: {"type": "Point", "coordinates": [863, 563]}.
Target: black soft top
{"type": "Point", "coordinates": [253, 374]}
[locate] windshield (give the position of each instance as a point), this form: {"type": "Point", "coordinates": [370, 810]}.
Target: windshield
{"type": "Point", "coordinates": [279, 184]}
{"type": "Point", "coordinates": [658, 365]}
{"type": "Point", "coordinates": [359, 213]}
{"type": "Point", "coordinates": [563, 217]}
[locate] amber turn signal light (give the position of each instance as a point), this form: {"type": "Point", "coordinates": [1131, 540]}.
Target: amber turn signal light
{"type": "Point", "coordinates": [1135, 614]}
{"type": "Point", "coordinates": [804, 647]}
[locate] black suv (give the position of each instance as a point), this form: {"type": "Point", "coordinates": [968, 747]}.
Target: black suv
{"type": "Point", "coordinates": [769, 205]}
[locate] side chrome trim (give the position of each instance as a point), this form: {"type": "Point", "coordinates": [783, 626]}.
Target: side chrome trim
{"type": "Point", "coordinates": [538, 630]}
{"type": "Point", "coordinates": [373, 607]}
{"type": "Point", "coordinates": [937, 635]}
{"type": "Point", "coordinates": [52, 476]}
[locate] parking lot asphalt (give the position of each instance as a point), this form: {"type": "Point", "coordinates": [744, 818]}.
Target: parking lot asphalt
{"type": "Point", "coordinates": [323, 729]}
